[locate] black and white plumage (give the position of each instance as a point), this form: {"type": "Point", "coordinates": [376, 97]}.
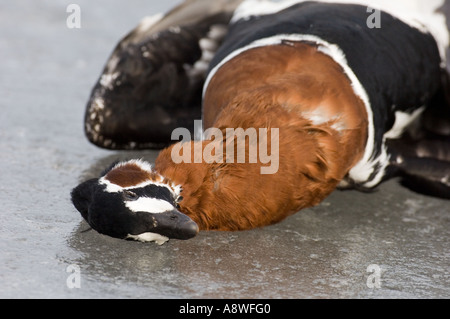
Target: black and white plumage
{"type": "Point", "coordinates": [394, 84]}
{"type": "Point", "coordinates": [158, 76]}
{"type": "Point", "coordinates": [130, 201]}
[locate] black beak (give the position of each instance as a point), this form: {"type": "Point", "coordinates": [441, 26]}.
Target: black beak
{"type": "Point", "coordinates": [173, 224]}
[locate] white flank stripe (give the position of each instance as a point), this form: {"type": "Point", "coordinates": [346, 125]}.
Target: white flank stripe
{"type": "Point", "coordinates": [402, 121]}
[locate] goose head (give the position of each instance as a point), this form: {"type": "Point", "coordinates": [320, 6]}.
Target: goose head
{"type": "Point", "coordinates": [130, 201]}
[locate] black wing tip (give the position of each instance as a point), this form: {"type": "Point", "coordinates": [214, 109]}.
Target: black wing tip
{"type": "Point", "coordinates": [425, 186]}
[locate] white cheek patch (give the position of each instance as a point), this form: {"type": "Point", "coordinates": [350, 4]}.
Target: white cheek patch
{"type": "Point", "coordinates": [149, 205]}
{"type": "Point", "coordinates": [148, 237]}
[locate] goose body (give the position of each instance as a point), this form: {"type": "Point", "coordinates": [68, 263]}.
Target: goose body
{"type": "Point", "coordinates": [328, 91]}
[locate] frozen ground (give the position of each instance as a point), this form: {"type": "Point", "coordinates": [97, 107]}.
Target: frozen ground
{"type": "Point", "coordinates": [47, 71]}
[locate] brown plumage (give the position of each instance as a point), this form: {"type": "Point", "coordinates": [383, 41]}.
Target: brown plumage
{"type": "Point", "coordinates": [285, 87]}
